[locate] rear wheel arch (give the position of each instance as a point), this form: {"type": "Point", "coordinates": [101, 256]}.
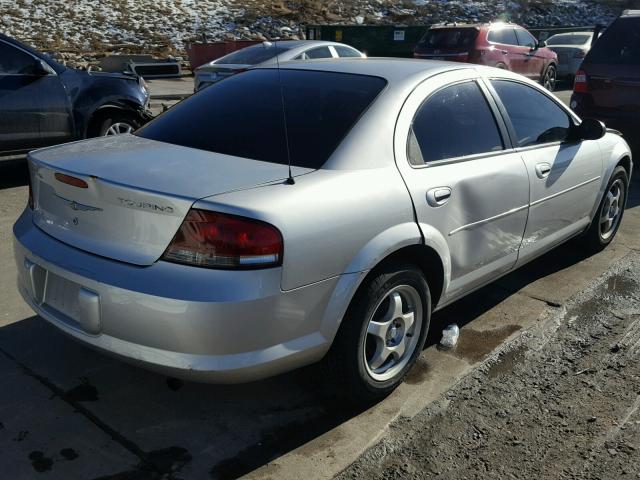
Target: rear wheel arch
{"type": "Point", "coordinates": [625, 162]}
{"type": "Point", "coordinates": [425, 258]}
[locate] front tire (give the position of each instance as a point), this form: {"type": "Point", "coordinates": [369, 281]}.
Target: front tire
{"type": "Point", "coordinates": [117, 124]}
{"type": "Point", "coordinates": [381, 336]}
{"type": "Point", "coordinates": [606, 222]}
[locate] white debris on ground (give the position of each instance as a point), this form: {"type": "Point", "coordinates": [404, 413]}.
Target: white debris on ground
{"type": "Point", "coordinates": [82, 31]}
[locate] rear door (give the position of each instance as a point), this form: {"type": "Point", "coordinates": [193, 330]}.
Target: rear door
{"type": "Point", "coordinates": [564, 176]}
{"type": "Point", "coordinates": [469, 188]}
{"type": "Point", "coordinates": [504, 40]}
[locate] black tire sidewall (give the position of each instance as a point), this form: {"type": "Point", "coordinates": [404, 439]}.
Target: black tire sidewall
{"type": "Point", "coordinates": [546, 73]}
{"type": "Point", "coordinates": [357, 317]}
{"type": "Point", "coordinates": [594, 235]}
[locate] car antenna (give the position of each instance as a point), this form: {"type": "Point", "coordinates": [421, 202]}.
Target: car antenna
{"type": "Point", "coordinates": [290, 180]}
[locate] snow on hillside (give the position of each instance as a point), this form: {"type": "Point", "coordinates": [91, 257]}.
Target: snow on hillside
{"type": "Point", "coordinates": [87, 29]}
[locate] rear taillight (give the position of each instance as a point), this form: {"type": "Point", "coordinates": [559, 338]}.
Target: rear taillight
{"type": "Point", "coordinates": [217, 240]}
{"type": "Point", "coordinates": [580, 82]}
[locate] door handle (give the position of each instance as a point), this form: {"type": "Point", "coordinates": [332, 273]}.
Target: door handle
{"type": "Point", "coordinates": [505, 52]}
{"type": "Point", "coordinates": [543, 170]}
{"type": "Point", "coordinates": [436, 197]}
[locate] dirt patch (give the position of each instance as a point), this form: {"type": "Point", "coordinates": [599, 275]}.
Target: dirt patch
{"type": "Point", "coordinates": [474, 346]}
{"type": "Point", "coordinates": [562, 402]}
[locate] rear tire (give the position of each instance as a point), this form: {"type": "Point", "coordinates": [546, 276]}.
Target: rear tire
{"type": "Point", "coordinates": [550, 78]}
{"type": "Point", "coordinates": [381, 336]}
{"type": "Point", "coordinates": [608, 217]}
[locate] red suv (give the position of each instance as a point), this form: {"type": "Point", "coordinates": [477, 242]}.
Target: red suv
{"type": "Point", "coordinates": [502, 45]}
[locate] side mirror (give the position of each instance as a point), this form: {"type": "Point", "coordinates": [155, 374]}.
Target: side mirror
{"type": "Point", "coordinates": [542, 44]}
{"type": "Point", "coordinates": [41, 68]}
{"type": "Point", "coordinates": [590, 129]}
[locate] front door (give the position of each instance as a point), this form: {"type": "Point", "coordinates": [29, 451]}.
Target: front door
{"type": "Point", "coordinates": [532, 61]}
{"type": "Point", "coordinates": [20, 105]}
{"type": "Point", "coordinates": [33, 105]}
{"type": "Point", "coordinates": [565, 176]}
{"type": "Point", "coordinates": [469, 188]}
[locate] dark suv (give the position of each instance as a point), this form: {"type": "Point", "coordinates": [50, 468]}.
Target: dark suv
{"type": "Point", "coordinates": [44, 103]}
{"type": "Point", "coordinates": [607, 85]}
{"type": "Point", "coordinates": [502, 45]}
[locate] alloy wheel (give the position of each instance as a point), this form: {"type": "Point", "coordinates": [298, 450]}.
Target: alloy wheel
{"type": "Point", "coordinates": [119, 128]}
{"type": "Point", "coordinates": [393, 331]}
{"type": "Point", "coordinates": [612, 209]}
{"type": "Point", "coordinates": [549, 81]}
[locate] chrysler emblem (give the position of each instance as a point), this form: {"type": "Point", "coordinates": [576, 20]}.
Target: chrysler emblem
{"type": "Point", "coordinates": [79, 207]}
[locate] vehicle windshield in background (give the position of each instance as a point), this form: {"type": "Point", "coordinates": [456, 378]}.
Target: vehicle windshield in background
{"type": "Point", "coordinates": [242, 116]}
{"type": "Point", "coordinates": [568, 39]}
{"type": "Point", "coordinates": [619, 45]}
{"type": "Point", "coordinates": [449, 38]}
{"type": "Point", "coordinates": [252, 55]}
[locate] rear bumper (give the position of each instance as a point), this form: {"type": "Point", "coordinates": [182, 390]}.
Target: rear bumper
{"type": "Point", "coordinates": [192, 323]}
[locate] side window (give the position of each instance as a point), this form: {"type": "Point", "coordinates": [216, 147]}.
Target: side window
{"type": "Point", "coordinates": [506, 36]}
{"type": "Point", "coordinates": [525, 39]}
{"type": "Point", "coordinates": [344, 52]}
{"type": "Point", "coordinates": [453, 122]}
{"type": "Point", "coordinates": [320, 52]}
{"type": "Point", "coordinates": [535, 117]}
{"type": "Point", "coordinates": [14, 61]}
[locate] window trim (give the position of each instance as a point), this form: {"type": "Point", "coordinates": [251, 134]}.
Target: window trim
{"type": "Point", "coordinates": [574, 120]}
{"type": "Point", "coordinates": [318, 47]}
{"type": "Point", "coordinates": [495, 29]}
{"type": "Point", "coordinates": [507, 146]}
{"type": "Point", "coordinates": [36, 58]}
{"type": "Point", "coordinates": [535, 40]}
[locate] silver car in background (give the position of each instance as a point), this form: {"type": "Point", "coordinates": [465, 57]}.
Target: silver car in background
{"type": "Point", "coordinates": [269, 54]}
{"type": "Point", "coordinates": [571, 49]}
{"type": "Point", "coordinates": [191, 248]}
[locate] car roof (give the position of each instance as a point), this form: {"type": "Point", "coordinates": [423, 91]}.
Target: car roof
{"type": "Point", "coordinates": [393, 70]}
{"type": "Point", "coordinates": [304, 43]}
{"type": "Point", "coordinates": [475, 25]}
{"type": "Point", "coordinates": [571, 33]}
{"type": "Point", "coordinates": [631, 13]}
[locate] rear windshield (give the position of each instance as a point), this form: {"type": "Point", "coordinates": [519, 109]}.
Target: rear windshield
{"type": "Point", "coordinates": [449, 38]}
{"type": "Point", "coordinates": [252, 55]}
{"type": "Point", "coordinates": [564, 39]}
{"type": "Point", "coordinates": [242, 115]}
{"type": "Point", "coordinates": [619, 45]}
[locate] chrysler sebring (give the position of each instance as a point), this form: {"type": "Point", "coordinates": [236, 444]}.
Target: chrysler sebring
{"type": "Point", "coordinates": [191, 248]}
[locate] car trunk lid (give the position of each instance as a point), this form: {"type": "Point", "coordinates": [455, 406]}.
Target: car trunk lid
{"type": "Point", "coordinates": [125, 197]}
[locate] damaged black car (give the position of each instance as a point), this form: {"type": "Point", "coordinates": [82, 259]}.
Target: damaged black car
{"type": "Point", "coordinates": [44, 103]}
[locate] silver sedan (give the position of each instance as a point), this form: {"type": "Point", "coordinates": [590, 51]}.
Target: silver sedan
{"type": "Point", "coordinates": [269, 54]}
{"type": "Point", "coordinates": [217, 245]}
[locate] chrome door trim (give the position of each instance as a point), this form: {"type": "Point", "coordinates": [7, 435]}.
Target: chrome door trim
{"type": "Point", "coordinates": [566, 190]}
{"type": "Point", "coordinates": [469, 226]}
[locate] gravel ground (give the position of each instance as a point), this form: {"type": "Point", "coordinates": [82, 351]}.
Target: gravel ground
{"type": "Point", "coordinates": [562, 401]}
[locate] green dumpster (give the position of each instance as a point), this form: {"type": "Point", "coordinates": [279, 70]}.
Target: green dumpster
{"type": "Point", "coordinates": [374, 40]}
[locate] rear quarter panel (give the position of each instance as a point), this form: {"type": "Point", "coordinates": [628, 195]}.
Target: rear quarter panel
{"type": "Point", "coordinates": [333, 221]}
